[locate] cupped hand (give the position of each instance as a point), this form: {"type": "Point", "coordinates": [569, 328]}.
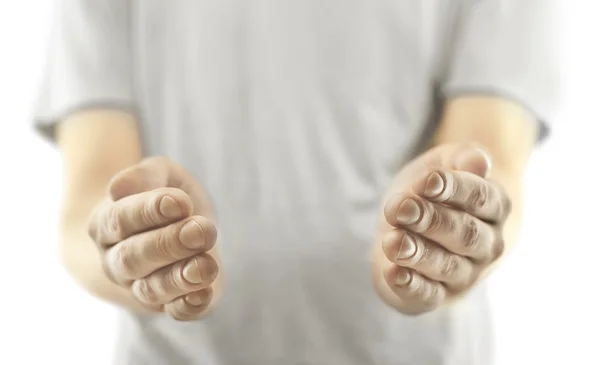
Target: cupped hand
{"type": "Point", "coordinates": [157, 239]}
{"type": "Point", "coordinates": [441, 228]}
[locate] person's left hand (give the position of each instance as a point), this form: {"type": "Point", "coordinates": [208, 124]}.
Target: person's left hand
{"type": "Point", "coordinates": [442, 228]}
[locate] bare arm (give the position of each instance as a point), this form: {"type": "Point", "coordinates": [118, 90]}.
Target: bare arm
{"type": "Point", "coordinates": [95, 145]}
{"type": "Point", "coordinates": [137, 233]}
{"type": "Point", "coordinates": [450, 214]}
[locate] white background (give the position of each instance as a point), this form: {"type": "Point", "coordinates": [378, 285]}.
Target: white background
{"type": "Point", "coordinates": [546, 307]}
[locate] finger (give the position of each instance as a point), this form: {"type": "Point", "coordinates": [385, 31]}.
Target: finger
{"type": "Point", "coordinates": [473, 159]}
{"type": "Point", "coordinates": [114, 222]}
{"type": "Point", "coordinates": [415, 290]}
{"type": "Point", "coordinates": [190, 306]}
{"type": "Point", "coordinates": [150, 174]}
{"type": "Point", "coordinates": [428, 258]}
{"type": "Point", "coordinates": [463, 190]}
{"type": "Point", "coordinates": [455, 230]}
{"type": "Point", "coordinates": [175, 280]}
{"type": "Point", "coordinates": [142, 254]}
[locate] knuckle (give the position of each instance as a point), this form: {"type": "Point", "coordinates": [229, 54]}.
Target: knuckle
{"type": "Point", "coordinates": [148, 214]}
{"type": "Point", "coordinates": [123, 261]}
{"type": "Point", "coordinates": [478, 196]}
{"type": "Point", "coordinates": [145, 292]}
{"type": "Point", "coordinates": [173, 282]}
{"type": "Point", "coordinates": [449, 266]}
{"type": "Point", "coordinates": [161, 246]}
{"type": "Point", "coordinates": [471, 234]}
{"type": "Point", "coordinates": [437, 221]}
{"type": "Point", "coordinates": [114, 223]}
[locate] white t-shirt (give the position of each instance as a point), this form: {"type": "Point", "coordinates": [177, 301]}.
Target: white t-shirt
{"type": "Point", "coordinates": [295, 115]}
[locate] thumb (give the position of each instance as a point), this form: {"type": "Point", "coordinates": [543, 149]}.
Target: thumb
{"type": "Point", "coordinates": [472, 159]}
{"type": "Point", "coordinates": [150, 174]}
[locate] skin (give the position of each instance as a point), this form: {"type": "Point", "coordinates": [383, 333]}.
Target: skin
{"type": "Point", "coordinates": [156, 238]}
{"type": "Point", "coordinates": [139, 232]}
{"type": "Point", "coordinates": [454, 211]}
{"type": "Point", "coordinates": [149, 241]}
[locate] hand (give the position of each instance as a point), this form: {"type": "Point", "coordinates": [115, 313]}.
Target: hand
{"type": "Point", "coordinates": [156, 239]}
{"type": "Point", "coordinates": [442, 227]}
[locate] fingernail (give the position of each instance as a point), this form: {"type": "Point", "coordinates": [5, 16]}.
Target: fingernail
{"type": "Point", "coordinates": [194, 299]}
{"type": "Point", "coordinates": [409, 212]}
{"type": "Point", "coordinates": [169, 208]}
{"type": "Point", "coordinates": [191, 272]}
{"type": "Point", "coordinates": [407, 248]}
{"type": "Point", "coordinates": [192, 235]}
{"type": "Point", "coordinates": [403, 278]}
{"type": "Point", "coordinates": [434, 185]}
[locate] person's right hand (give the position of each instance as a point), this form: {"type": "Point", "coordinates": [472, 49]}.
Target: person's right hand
{"type": "Point", "coordinates": [156, 239]}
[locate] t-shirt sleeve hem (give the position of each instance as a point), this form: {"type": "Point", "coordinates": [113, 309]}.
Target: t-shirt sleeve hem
{"type": "Point", "coordinates": [540, 114]}
{"type": "Point", "coordinates": [46, 121]}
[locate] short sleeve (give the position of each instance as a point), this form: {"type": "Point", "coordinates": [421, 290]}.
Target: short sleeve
{"type": "Point", "coordinates": [88, 62]}
{"type": "Point", "coordinates": [508, 48]}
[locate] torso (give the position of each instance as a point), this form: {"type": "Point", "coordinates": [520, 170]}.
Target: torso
{"type": "Point", "coordinates": [295, 115]}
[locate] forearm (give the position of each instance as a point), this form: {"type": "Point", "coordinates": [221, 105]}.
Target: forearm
{"type": "Point", "coordinates": [95, 145]}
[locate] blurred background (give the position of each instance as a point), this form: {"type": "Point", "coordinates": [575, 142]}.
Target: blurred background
{"type": "Point", "coordinates": [545, 298]}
